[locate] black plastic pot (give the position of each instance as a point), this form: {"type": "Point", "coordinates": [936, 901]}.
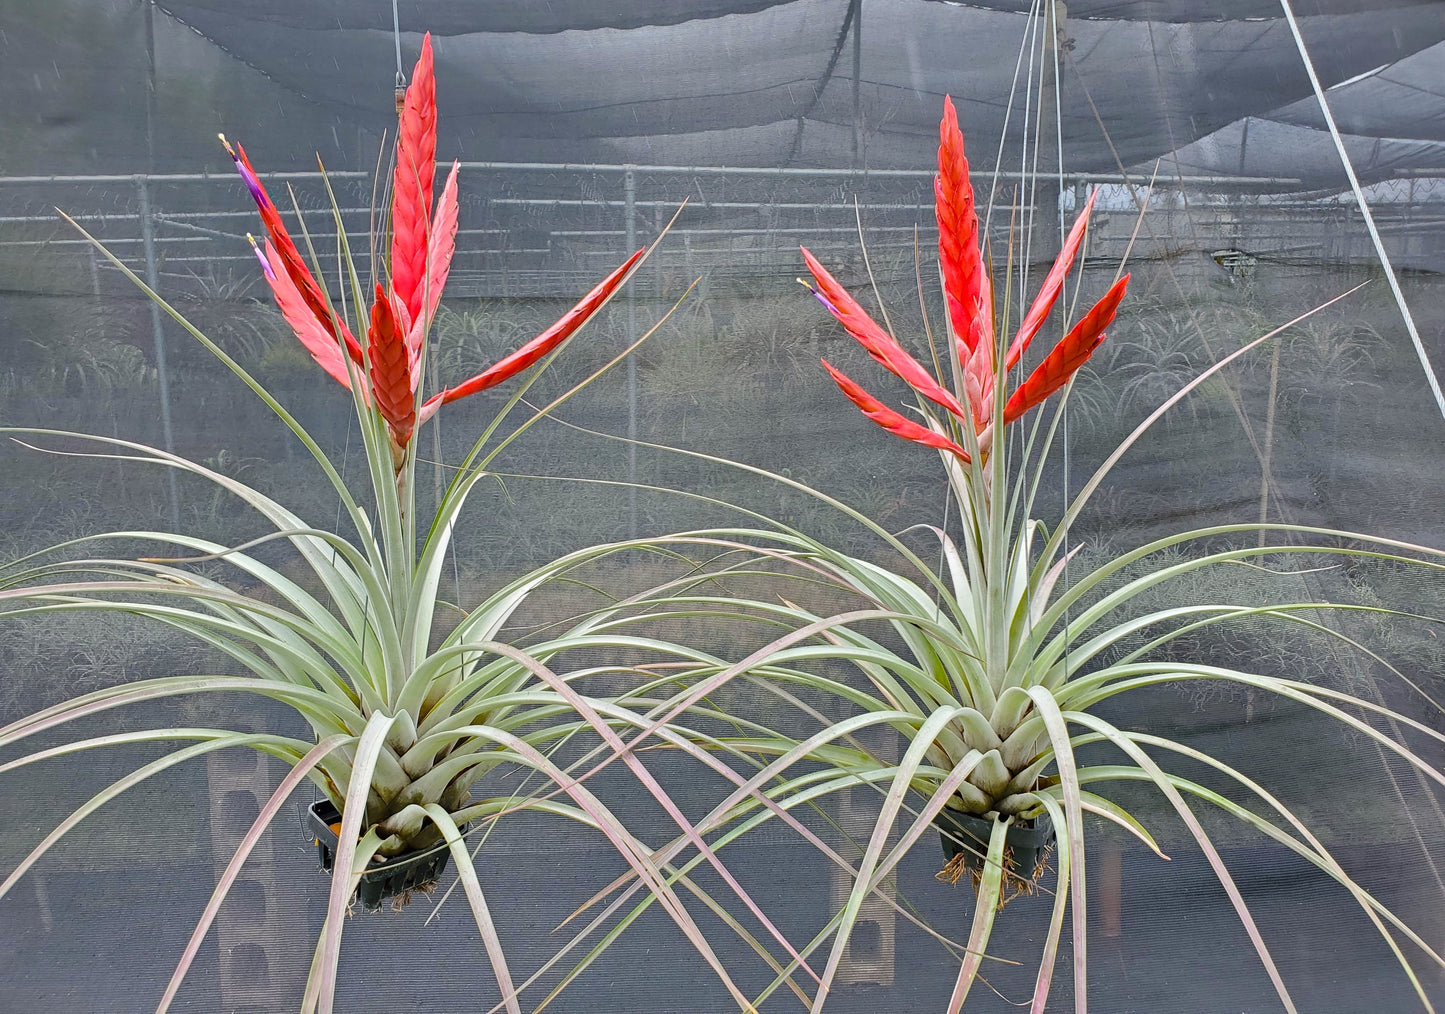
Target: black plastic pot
{"type": "Point", "coordinates": [397, 875]}
{"type": "Point", "coordinates": [967, 834]}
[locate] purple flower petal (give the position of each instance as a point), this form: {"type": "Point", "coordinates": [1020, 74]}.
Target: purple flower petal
{"type": "Point", "coordinates": [820, 297]}
{"type": "Point", "coordinates": [265, 264]}
{"type": "Point", "coordinates": [247, 176]}
{"type": "Point", "coordinates": [824, 300]}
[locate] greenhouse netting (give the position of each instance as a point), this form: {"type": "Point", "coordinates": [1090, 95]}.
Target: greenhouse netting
{"type": "Point", "coordinates": [707, 760]}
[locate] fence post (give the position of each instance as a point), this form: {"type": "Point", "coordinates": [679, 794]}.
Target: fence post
{"type": "Point", "coordinates": [148, 239]}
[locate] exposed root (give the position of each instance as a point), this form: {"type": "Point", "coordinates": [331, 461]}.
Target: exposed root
{"type": "Point", "coordinates": [1013, 885]}
{"type": "Point", "coordinates": [400, 901]}
{"type": "Point", "coordinates": [953, 870]}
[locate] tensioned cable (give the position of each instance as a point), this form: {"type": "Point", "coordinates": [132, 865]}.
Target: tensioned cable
{"type": "Point", "coordinates": [1029, 170]}
{"type": "Point", "coordinates": [1365, 210]}
{"type": "Point", "coordinates": [1429, 377]}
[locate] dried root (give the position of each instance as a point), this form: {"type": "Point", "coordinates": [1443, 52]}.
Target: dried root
{"type": "Point", "coordinates": [1013, 886]}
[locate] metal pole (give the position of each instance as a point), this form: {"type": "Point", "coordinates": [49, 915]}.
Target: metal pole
{"type": "Point", "coordinates": [629, 191]}
{"type": "Point", "coordinates": [168, 440]}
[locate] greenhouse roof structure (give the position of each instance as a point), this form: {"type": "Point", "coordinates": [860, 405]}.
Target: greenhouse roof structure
{"type": "Point", "coordinates": [1214, 88]}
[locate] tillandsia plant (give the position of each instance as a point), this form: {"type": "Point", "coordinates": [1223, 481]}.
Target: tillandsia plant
{"type": "Point", "coordinates": [403, 728]}
{"type": "Point", "coordinates": [998, 660]}
{"type": "Point", "coordinates": [1003, 662]}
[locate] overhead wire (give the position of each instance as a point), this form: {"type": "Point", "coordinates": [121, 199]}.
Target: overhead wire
{"type": "Point", "coordinates": [1426, 788]}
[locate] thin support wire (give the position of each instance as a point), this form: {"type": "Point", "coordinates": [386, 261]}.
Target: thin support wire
{"type": "Point", "coordinates": [629, 183]}
{"type": "Point", "coordinates": [998, 170]}
{"type": "Point", "coordinates": [1430, 377]}
{"type": "Point", "coordinates": [1063, 286]}
{"type": "Point", "coordinates": [396, 40]}
{"type": "Point", "coordinates": [1029, 178]}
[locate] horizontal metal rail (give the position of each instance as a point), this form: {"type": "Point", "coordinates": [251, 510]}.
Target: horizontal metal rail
{"type": "Point", "coordinates": [668, 170]}
{"type": "Point", "coordinates": [216, 177]}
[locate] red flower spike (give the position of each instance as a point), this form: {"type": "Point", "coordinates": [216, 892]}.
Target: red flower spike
{"type": "Point", "coordinates": [411, 199]}
{"type": "Point", "coordinates": [890, 420]}
{"type": "Point", "coordinates": [392, 384]}
{"type": "Point", "coordinates": [877, 341]}
{"type": "Point", "coordinates": [303, 321]}
{"type": "Point", "coordinates": [440, 246]}
{"type": "Point", "coordinates": [968, 294]}
{"type": "Point", "coordinates": [1072, 351]}
{"type": "Point", "coordinates": [958, 247]}
{"type": "Point", "coordinates": [422, 244]}
{"type": "Point", "coordinates": [538, 347]}
{"type": "Point", "coordinates": [290, 258]}
{"type": "Point", "coordinates": [1044, 302]}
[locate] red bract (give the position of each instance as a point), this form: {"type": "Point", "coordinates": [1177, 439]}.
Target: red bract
{"type": "Point", "coordinates": [422, 242]}
{"type": "Point", "coordinates": [393, 368]}
{"type": "Point", "coordinates": [289, 258]}
{"type": "Point", "coordinates": [891, 420]}
{"type": "Point", "coordinates": [539, 346]}
{"type": "Point", "coordinates": [968, 295]}
{"type": "Point", "coordinates": [965, 281]}
{"type": "Point", "coordinates": [877, 341]}
{"type": "Point", "coordinates": [411, 187]}
{"type": "Point", "coordinates": [319, 340]}
{"type": "Point", "coordinates": [1072, 351]}
{"type": "Point", "coordinates": [1049, 291]}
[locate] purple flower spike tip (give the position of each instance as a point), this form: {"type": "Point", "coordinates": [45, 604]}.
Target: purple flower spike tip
{"type": "Point", "coordinates": [819, 296]}
{"type": "Point", "coordinates": [252, 184]}
{"type": "Point", "coordinates": [265, 264]}
{"type": "Point", "coordinates": [824, 300]}
{"type": "Point", "coordinates": [247, 176]}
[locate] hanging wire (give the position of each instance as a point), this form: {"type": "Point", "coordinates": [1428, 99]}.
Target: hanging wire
{"type": "Point", "coordinates": [1430, 377]}
{"type": "Point", "coordinates": [1003, 132]}
{"type": "Point", "coordinates": [1029, 170]}
{"type": "Point", "coordinates": [1026, 217]}
{"type": "Point", "coordinates": [1024, 44]}
{"type": "Point", "coordinates": [1063, 294]}
{"type": "Point", "coordinates": [436, 424]}
{"type": "Point", "coordinates": [400, 73]}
